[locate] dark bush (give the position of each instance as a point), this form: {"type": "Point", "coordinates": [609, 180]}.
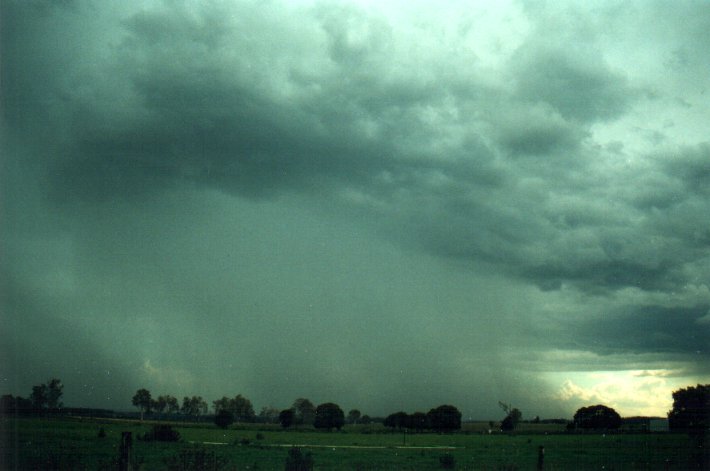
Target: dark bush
{"type": "Point", "coordinates": [102, 433]}
{"type": "Point", "coordinates": [162, 433]}
{"type": "Point", "coordinates": [224, 418]}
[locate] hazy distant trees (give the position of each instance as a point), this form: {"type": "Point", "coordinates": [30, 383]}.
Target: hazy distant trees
{"type": "Point", "coordinates": [194, 406]}
{"type": "Point", "coordinates": [166, 403]}
{"type": "Point", "coordinates": [269, 415]}
{"type": "Point", "coordinates": [329, 416]}
{"type": "Point", "coordinates": [55, 390]}
{"type": "Point", "coordinates": [240, 407]}
{"type": "Point", "coordinates": [597, 417]}
{"type": "Point", "coordinates": [353, 416]}
{"type": "Point", "coordinates": [444, 418]}
{"type": "Point", "coordinates": [396, 420]}
{"type": "Point", "coordinates": [305, 411]}
{"type": "Point", "coordinates": [142, 400]}
{"type": "Point", "coordinates": [10, 404]}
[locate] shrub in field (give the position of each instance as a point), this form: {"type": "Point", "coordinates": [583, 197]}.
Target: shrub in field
{"type": "Point", "coordinates": [287, 417]}
{"type": "Point", "coordinates": [102, 433]}
{"type": "Point", "coordinates": [162, 433]}
{"type": "Point", "coordinates": [224, 418]}
{"type": "Point", "coordinates": [297, 461]}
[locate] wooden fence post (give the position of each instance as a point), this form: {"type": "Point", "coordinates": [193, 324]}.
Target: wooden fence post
{"type": "Point", "coordinates": [124, 450]}
{"type": "Point", "coordinates": [541, 458]}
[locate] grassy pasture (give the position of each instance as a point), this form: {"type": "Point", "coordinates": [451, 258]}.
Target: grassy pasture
{"type": "Point", "coordinates": [73, 444]}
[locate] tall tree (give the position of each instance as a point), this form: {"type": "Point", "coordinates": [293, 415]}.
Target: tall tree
{"type": "Point", "coordinates": [143, 401]}
{"type": "Point", "coordinates": [396, 420]}
{"type": "Point", "coordinates": [222, 404]}
{"type": "Point", "coordinates": [172, 405]}
{"type": "Point", "coordinates": [691, 409]}
{"type": "Point", "coordinates": [305, 411]}
{"type": "Point", "coordinates": [691, 414]}
{"type": "Point", "coordinates": [269, 415]}
{"type": "Point", "coordinates": [159, 405]}
{"type": "Point", "coordinates": [444, 418]}
{"type": "Point", "coordinates": [354, 416]}
{"type": "Point", "coordinates": [243, 409]}
{"type": "Point", "coordinates": [194, 406]}
{"type": "Point", "coordinates": [329, 416]}
{"type": "Point", "coordinates": [55, 390]}
{"type": "Point", "coordinates": [39, 397]}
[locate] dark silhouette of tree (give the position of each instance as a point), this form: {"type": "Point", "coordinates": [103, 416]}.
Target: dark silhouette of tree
{"type": "Point", "coordinates": [691, 409]}
{"type": "Point", "coordinates": [193, 406]}
{"type": "Point", "coordinates": [269, 415]}
{"type": "Point", "coordinates": [353, 416]}
{"type": "Point", "coordinates": [240, 407]}
{"type": "Point", "coordinates": [166, 403]}
{"type": "Point", "coordinates": [172, 405]}
{"type": "Point", "coordinates": [39, 397]}
{"type": "Point", "coordinates": [397, 420]}
{"type": "Point", "coordinates": [329, 416]}
{"type": "Point", "coordinates": [287, 417]}
{"type": "Point", "coordinates": [10, 404]}
{"type": "Point", "coordinates": [512, 417]}
{"type": "Point", "coordinates": [366, 419]}
{"type": "Point", "coordinates": [224, 418]}
{"type": "Point", "coordinates": [418, 421]}
{"type": "Point", "coordinates": [142, 401]}
{"type": "Point", "coordinates": [444, 418]}
{"type": "Point", "coordinates": [691, 414]}
{"type": "Point", "coordinates": [243, 409]}
{"type": "Point", "coordinates": [597, 417]}
{"type": "Point", "coordinates": [221, 404]}
{"type": "Point", "coordinates": [55, 390]}
{"type": "Point", "coordinates": [305, 411]}
{"type": "Point", "coordinates": [160, 404]}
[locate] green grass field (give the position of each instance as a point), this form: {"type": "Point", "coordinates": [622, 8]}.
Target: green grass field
{"type": "Point", "coordinates": [74, 444]}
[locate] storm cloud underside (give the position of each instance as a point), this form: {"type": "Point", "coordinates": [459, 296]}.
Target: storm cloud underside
{"type": "Point", "coordinates": [389, 207]}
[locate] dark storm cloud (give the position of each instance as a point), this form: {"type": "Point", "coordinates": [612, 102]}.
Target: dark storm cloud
{"type": "Point", "coordinates": [575, 83]}
{"type": "Point", "coordinates": [525, 159]}
{"type": "Point", "coordinates": [643, 329]}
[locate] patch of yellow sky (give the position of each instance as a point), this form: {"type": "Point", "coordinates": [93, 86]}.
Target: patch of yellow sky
{"type": "Point", "coordinates": [629, 392]}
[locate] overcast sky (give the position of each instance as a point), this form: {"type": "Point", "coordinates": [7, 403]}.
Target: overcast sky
{"type": "Point", "coordinates": [388, 205]}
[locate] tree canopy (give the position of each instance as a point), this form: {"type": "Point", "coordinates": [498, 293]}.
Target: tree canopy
{"type": "Point", "coordinates": [444, 418]}
{"type": "Point", "coordinates": [597, 417]}
{"type": "Point", "coordinates": [329, 416]}
{"type": "Point", "coordinates": [691, 409]}
{"type": "Point", "coordinates": [142, 400]}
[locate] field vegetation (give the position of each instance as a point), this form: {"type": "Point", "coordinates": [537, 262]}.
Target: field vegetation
{"type": "Point", "coordinates": [64, 443]}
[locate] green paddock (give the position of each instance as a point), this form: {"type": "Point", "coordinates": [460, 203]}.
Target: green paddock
{"type": "Point", "coordinates": [76, 444]}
